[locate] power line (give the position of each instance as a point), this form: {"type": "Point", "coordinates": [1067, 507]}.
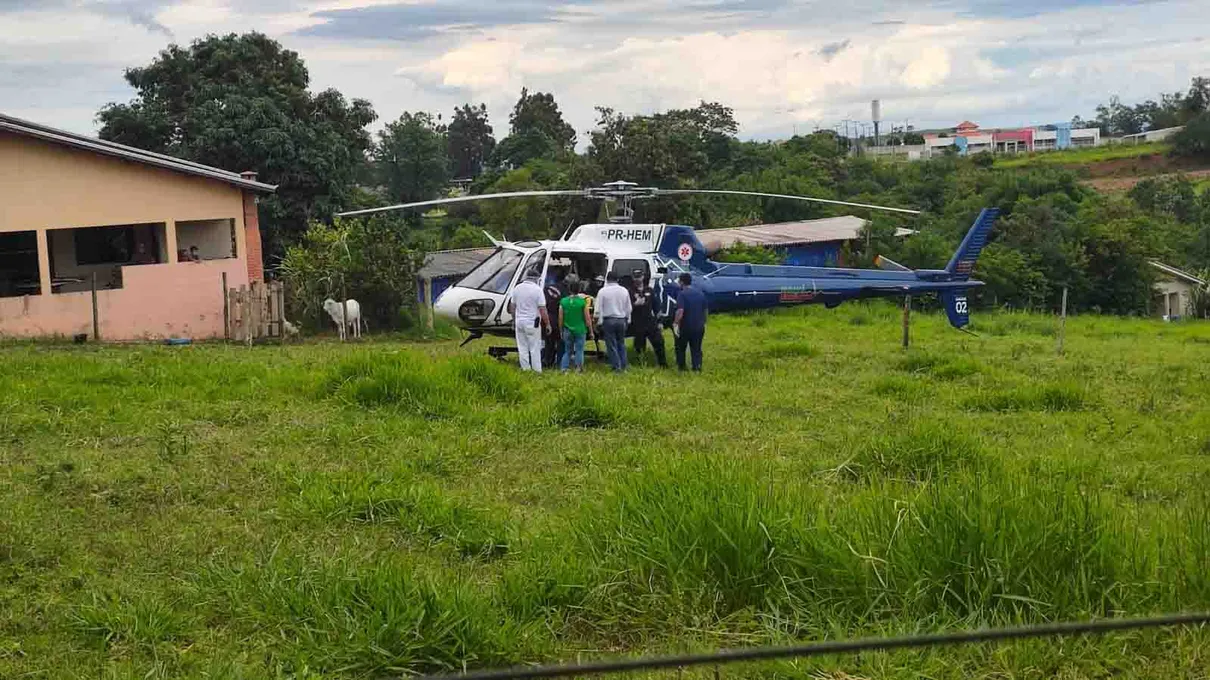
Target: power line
{"type": "Point", "coordinates": [831, 647]}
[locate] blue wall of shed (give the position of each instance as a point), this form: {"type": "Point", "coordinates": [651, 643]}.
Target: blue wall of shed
{"type": "Point", "coordinates": [439, 285]}
{"type": "Point", "coordinates": [814, 255]}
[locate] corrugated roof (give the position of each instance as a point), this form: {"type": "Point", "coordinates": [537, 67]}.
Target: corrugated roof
{"type": "Point", "coordinates": [442, 263]}
{"type": "Point", "coordinates": [56, 136]}
{"type": "Point", "coordinates": [1177, 273]}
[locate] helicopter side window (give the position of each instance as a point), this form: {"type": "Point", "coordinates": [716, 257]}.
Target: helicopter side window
{"type": "Point", "coordinates": [631, 268]}
{"type": "Point", "coordinates": [534, 266]}
{"type": "Point", "coordinates": [495, 273]}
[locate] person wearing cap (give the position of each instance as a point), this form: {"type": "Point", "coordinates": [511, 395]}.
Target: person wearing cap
{"type": "Point", "coordinates": [613, 309]}
{"type": "Point", "coordinates": [644, 325]}
{"type": "Point", "coordinates": [528, 307]}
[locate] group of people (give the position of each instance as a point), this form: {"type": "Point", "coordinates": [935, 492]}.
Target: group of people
{"type": "Point", "coordinates": [553, 325]}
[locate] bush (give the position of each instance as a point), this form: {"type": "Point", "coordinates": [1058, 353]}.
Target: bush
{"type": "Point", "coordinates": [1194, 140]}
{"type": "Point", "coordinates": [366, 257]}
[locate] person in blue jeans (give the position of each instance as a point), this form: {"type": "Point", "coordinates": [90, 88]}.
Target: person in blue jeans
{"type": "Point", "coordinates": [576, 325]}
{"type": "Point", "coordinates": [692, 310]}
{"type": "Point", "coordinates": [613, 307]}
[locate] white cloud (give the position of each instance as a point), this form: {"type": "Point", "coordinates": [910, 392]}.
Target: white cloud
{"type": "Point", "coordinates": [931, 65]}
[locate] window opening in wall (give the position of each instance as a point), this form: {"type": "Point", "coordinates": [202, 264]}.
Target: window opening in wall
{"type": "Point", "coordinates": [77, 254]}
{"type": "Point", "coordinates": [19, 273]}
{"type": "Point", "coordinates": [200, 240]}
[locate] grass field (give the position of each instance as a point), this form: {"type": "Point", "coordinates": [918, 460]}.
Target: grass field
{"type": "Point", "coordinates": [1085, 156]}
{"type": "Point", "coordinates": [325, 510]}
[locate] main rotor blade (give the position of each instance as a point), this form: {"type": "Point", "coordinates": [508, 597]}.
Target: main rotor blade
{"type": "Point", "coordinates": [661, 192]}
{"type": "Point", "coordinates": [461, 199]}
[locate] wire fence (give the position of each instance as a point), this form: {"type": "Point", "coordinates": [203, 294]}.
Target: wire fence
{"type": "Point", "coordinates": [721, 657]}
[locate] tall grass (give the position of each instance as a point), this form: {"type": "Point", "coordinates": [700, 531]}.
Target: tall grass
{"type": "Point", "coordinates": [370, 619]}
{"type": "Point", "coordinates": [336, 511]}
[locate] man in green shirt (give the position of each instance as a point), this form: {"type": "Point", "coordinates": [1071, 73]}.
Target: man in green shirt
{"type": "Point", "coordinates": [576, 323]}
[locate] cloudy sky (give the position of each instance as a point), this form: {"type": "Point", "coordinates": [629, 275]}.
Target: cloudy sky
{"type": "Point", "coordinates": [783, 65]}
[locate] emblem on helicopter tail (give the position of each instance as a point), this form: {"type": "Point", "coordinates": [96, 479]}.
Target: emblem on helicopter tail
{"type": "Point", "coordinates": [796, 295]}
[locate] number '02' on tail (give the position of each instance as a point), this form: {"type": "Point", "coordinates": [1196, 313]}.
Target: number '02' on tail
{"type": "Point", "coordinates": [957, 304]}
{"type": "Point", "coordinates": [957, 307]}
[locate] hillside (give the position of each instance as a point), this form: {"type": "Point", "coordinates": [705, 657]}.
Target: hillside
{"type": "Point", "coordinates": [1113, 168]}
{"type": "Point", "coordinates": [352, 511]}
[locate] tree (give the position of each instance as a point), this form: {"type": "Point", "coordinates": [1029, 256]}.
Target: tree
{"type": "Point", "coordinates": [1197, 101]}
{"type": "Point", "coordinates": [240, 102]}
{"type": "Point", "coordinates": [1194, 140]}
{"type": "Point", "coordinates": [470, 140]}
{"type": "Point", "coordinates": [664, 149]}
{"type": "Point", "coordinates": [411, 158]}
{"type": "Point", "coordinates": [536, 130]}
{"type": "Point", "coordinates": [1115, 118]}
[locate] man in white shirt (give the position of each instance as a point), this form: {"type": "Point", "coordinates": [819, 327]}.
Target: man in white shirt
{"type": "Point", "coordinates": [530, 320]}
{"type": "Point", "coordinates": [613, 311]}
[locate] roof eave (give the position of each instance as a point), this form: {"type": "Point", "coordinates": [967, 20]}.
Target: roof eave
{"type": "Point", "coordinates": [114, 150]}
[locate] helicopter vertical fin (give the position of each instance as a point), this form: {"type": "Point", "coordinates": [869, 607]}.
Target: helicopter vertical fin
{"type": "Point", "coordinates": [957, 307]}
{"type": "Point", "coordinates": [963, 261]}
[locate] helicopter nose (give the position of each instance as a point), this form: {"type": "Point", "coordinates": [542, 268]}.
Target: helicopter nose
{"type": "Point", "coordinates": [445, 306]}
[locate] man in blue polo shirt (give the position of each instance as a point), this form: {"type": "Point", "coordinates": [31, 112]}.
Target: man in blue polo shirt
{"type": "Point", "coordinates": [690, 323]}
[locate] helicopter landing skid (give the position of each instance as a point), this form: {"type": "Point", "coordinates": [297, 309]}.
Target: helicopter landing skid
{"type": "Point", "coordinates": [503, 352]}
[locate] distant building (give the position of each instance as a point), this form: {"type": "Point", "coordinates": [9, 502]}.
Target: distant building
{"type": "Point", "coordinates": [967, 138]}
{"type": "Point", "coordinates": [1173, 296]}
{"type": "Point", "coordinates": [1152, 135]}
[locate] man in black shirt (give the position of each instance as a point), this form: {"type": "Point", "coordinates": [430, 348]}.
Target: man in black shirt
{"type": "Point", "coordinates": [643, 321]}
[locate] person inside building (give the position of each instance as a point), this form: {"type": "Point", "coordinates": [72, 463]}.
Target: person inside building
{"type": "Point", "coordinates": [528, 307]}
{"type": "Point", "coordinates": [643, 322]}
{"type": "Point", "coordinates": [576, 325]}
{"type": "Point", "coordinates": [689, 327]}
{"type": "Point", "coordinates": [613, 311]}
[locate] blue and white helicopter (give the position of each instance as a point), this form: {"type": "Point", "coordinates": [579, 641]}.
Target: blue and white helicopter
{"type": "Point", "coordinates": [661, 252]}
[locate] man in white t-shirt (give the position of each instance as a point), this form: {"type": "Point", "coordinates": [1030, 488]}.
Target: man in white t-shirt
{"type": "Point", "coordinates": [528, 307]}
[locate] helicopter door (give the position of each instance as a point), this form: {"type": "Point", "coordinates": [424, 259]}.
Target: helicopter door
{"type": "Point", "coordinates": [535, 265]}
{"type": "Point", "coordinates": [634, 267]}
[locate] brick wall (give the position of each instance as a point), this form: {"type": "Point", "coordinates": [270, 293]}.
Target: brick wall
{"type": "Point", "coordinates": [256, 263]}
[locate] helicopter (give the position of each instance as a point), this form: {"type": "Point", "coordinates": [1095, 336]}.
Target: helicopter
{"type": "Point", "coordinates": [660, 253]}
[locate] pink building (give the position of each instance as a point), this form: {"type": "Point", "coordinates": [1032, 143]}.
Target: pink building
{"type": "Point", "coordinates": [968, 138]}
{"type": "Point", "coordinates": [157, 235]}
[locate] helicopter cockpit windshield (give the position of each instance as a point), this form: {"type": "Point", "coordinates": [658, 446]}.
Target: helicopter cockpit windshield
{"type": "Point", "coordinates": [494, 274]}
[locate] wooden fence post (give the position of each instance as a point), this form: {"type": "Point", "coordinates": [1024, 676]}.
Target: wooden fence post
{"type": "Point", "coordinates": [281, 308]}
{"type": "Point", "coordinates": [907, 320]}
{"type": "Point", "coordinates": [245, 313]}
{"type": "Point", "coordinates": [226, 309]}
{"type": "Point", "coordinates": [96, 320]}
{"type": "Point", "coordinates": [428, 302]}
